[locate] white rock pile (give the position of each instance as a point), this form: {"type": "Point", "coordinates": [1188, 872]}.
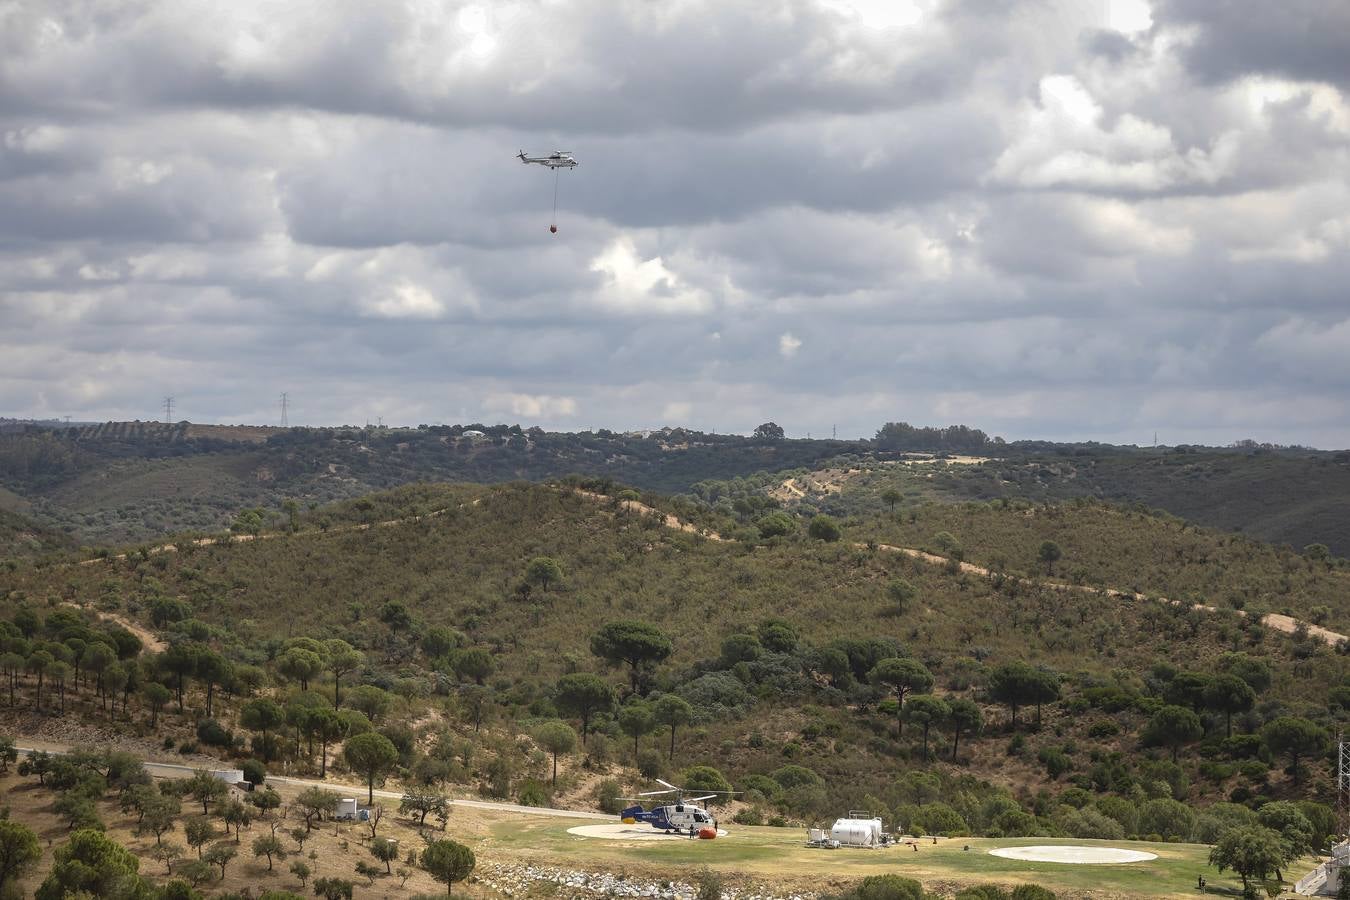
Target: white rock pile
{"type": "Point", "coordinates": [515, 880]}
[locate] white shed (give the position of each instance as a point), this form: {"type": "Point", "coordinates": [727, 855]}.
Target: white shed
{"type": "Point", "coordinates": [857, 830]}
{"type": "Point", "coordinates": [346, 808]}
{"type": "Point", "coordinates": [229, 776]}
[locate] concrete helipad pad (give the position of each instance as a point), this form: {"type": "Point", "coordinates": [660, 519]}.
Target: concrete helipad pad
{"type": "Point", "coordinates": [1082, 856]}
{"type": "Point", "coordinates": [621, 832]}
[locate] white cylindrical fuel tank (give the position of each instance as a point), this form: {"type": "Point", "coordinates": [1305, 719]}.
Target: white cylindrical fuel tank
{"type": "Point", "coordinates": [857, 832]}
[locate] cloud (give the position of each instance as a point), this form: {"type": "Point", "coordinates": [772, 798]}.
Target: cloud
{"type": "Point", "coordinates": [1301, 39]}
{"type": "Point", "coordinates": [532, 407]}
{"type": "Point", "coordinates": [1064, 143]}
{"type": "Point", "coordinates": [1056, 219]}
{"type": "Point", "coordinates": [637, 286]}
{"type": "Point", "coordinates": [676, 411]}
{"type": "Point", "coordinates": [406, 300]}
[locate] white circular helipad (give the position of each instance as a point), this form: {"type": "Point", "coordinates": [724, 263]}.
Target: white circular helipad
{"type": "Point", "coordinates": [639, 832]}
{"type": "Point", "coordinates": [1081, 856]}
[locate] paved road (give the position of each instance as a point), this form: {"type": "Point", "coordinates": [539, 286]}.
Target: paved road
{"type": "Point", "coordinates": [176, 770]}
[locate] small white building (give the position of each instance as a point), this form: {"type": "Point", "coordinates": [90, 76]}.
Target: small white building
{"type": "Point", "coordinates": [229, 776]}
{"type": "Point", "coordinates": [858, 829]}
{"type": "Point", "coordinates": [346, 808]}
{"type": "Point", "coordinates": [1325, 880]}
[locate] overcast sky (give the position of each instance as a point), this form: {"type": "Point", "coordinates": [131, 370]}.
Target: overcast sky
{"type": "Point", "coordinates": [1078, 219]}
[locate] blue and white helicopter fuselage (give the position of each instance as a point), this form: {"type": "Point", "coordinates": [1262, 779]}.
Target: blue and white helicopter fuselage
{"type": "Point", "coordinates": [684, 815]}
{"type": "Point", "coordinates": [679, 817]}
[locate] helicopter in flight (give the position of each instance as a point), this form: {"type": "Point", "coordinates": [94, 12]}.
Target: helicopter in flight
{"type": "Point", "coordinates": [558, 159]}
{"type": "Point", "coordinates": [682, 815]}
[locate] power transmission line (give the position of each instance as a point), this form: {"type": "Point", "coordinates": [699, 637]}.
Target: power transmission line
{"type": "Point", "coordinates": [284, 402]}
{"type": "Point", "coordinates": [168, 410]}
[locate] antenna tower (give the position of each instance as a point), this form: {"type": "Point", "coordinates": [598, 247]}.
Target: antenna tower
{"type": "Point", "coordinates": [168, 410]}
{"type": "Point", "coordinates": [1342, 785]}
{"type": "Point", "coordinates": [284, 402]}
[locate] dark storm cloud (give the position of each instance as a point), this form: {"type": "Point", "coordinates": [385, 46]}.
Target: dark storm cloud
{"type": "Point", "coordinates": [1306, 40]}
{"type": "Point", "coordinates": [1048, 219]}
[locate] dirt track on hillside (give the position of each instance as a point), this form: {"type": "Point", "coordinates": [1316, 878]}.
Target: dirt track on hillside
{"type": "Point", "coordinates": [1274, 621]}
{"type": "Point", "coordinates": [147, 637]}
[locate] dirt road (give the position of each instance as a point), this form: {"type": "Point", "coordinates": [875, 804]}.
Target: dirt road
{"type": "Point", "coordinates": [177, 770]}
{"type": "Point", "coordinates": [1274, 621]}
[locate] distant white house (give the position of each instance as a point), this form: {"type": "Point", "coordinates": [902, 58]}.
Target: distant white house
{"type": "Point", "coordinates": [473, 433]}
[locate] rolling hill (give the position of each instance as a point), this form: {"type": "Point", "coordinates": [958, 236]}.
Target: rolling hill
{"type": "Point", "coordinates": [1294, 498]}
{"type": "Point", "coordinates": [120, 482]}
{"type": "Point", "coordinates": [772, 641]}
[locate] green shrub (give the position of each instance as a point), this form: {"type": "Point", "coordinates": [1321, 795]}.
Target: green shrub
{"type": "Point", "coordinates": [764, 784]}
{"type": "Point", "coordinates": [792, 776]}
{"type": "Point", "coordinates": [887, 887]}
{"type": "Point", "coordinates": [1103, 728]}
{"type": "Point", "coordinates": [532, 793]}
{"type": "Point", "coordinates": [749, 815]}
{"type": "Point", "coordinates": [1056, 762]}
{"type": "Point", "coordinates": [1166, 817]}
{"type": "Point", "coordinates": [982, 892]}
{"type": "Point", "coordinates": [1241, 746]}
{"type": "Point", "coordinates": [605, 795]}
{"type": "Point", "coordinates": [255, 772]}
{"type": "Point", "coordinates": [939, 818]}
{"type": "Point", "coordinates": [1217, 771]}
{"type": "Point", "coordinates": [650, 764]}
{"type": "Point", "coordinates": [214, 734]}
{"type": "Point", "coordinates": [709, 883]}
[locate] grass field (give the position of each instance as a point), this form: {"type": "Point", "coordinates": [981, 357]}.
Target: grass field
{"type": "Point", "coordinates": [777, 855]}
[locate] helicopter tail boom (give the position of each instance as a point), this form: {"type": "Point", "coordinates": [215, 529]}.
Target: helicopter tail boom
{"type": "Point", "coordinates": [636, 813]}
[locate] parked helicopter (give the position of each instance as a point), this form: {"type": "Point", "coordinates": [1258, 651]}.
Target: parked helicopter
{"type": "Point", "coordinates": [682, 815]}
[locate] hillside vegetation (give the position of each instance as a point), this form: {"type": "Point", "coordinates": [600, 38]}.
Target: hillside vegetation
{"type": "Point", "coordinates": [1105, 546]}
{"type": "Point", "coordinates": [21, 536]}
{"type": "Point", "coordinates": [1284, 497]}
{"type": "Point", "coordinates": [121, 481]}
{"type": "Point", "coordinates": [784, 664]}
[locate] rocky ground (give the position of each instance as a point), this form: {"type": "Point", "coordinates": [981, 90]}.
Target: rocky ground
{"type": "Point", "coordinates": [517, 880]}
